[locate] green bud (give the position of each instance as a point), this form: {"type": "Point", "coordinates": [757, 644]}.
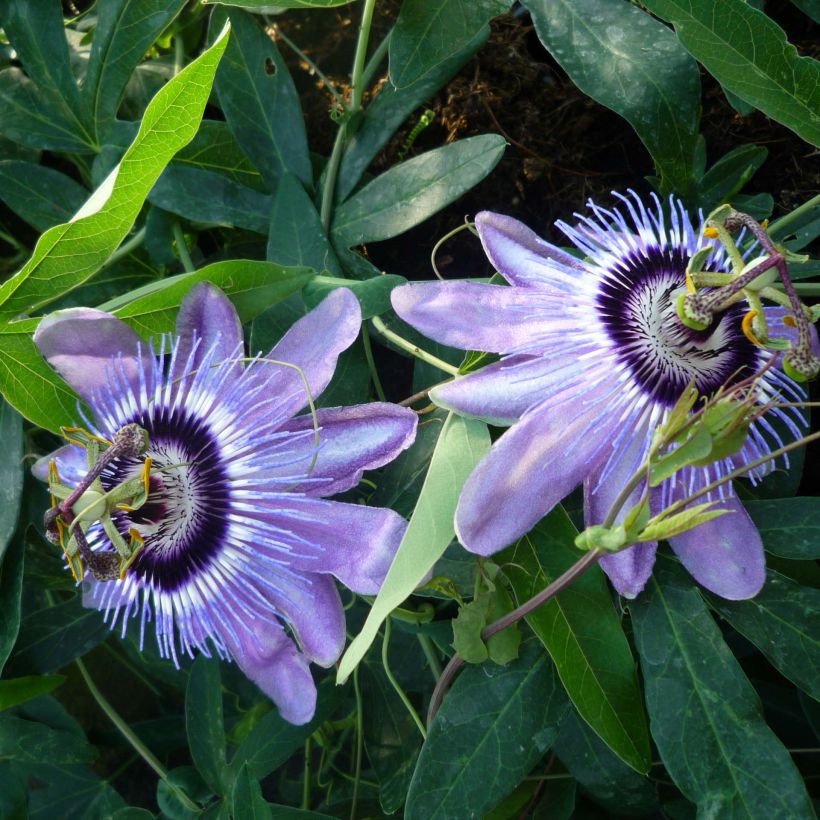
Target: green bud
{"type": "Point", "coordinates": [606, 539]}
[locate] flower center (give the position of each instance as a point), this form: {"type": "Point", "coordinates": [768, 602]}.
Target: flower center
{"type": "Point", "coordinates": [636, 304]}
{"type": "Point", "coordinates": [184, 520]}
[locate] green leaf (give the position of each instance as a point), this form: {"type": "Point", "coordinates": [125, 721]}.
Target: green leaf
{"type": "Point", "coordinates": [53, 637]}
{"type": "Point", "coordinates": [467, 626]}
{"type": "Point", "coordinates": [705, 716]}
{"type": "Point", "coordinates": [273, 740]}
{"type": "Point", "coordinates": [789, 527]}
{"type": "Point", "coordinates": [29, 384]}
{"type": "Point", "coordinates": [262, 6]}
{"type": "Point", "coordinates": [729, 175]}
{"type": "Point", "coordinates": [204, 723]}
{"type": "Point", "coordinates": [695, 447]}
{"type": "Point", "coordinates": [811, 8]}
{"type": "Point", "coordinates": [125, 30]}
{"type": "Point", "coordinates": [495, 723]}
{"type": "Point", "coordinates": [40, 195]}
{"type": "Point", "coordinates": [252, 286]}
{"type": "Point", "coordinates": [681, 522]}
{"type": "Point", "coordinates": [413, 190]}
{"type": "Point", "coordinates": [603, 775]}
{"type": "Point", "coordinates": [633, 65]}
{"type": "Point", "coordinates": [581, 631]}
{"type": "Point", "coordinates": [227, 203]}
{"type": "Point", "coordinates": [296, 235]}
{"type": "Point", "coordinates": [11, 473]}
{"type": "Point", "coordinates": [429, 32]}
{"type": "Point", "coordinates": [71, 792]}
{"type": "Point", "coordinates": [19, 690]}
{"type": "Point", "coordinates": [783, 622]}
{"type": "Point", "coordinates": [11, 587]}
{"type": "Point", "coordinates": [260, 102]}
{"type": "Point", "coordinates": [246, 798]}
{"type": "Point", "coordinates": [31, 742]}
{"type": "Point", "coordinates": [373, 294]}
{"type": "Point", "coordinates": [68, 254]}
{"type": "Point", "coordinates": [460, 446]}
{"type": "Point", "coordinates": [389, 109]}
{"type": "Point", "coordinates": [747, 52]}
{"type": "Point", "coordinates": [391, 738]}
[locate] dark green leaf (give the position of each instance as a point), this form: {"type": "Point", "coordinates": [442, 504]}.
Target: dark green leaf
{"type": "Point", "coordinates": [789, 527]}
{"type": "Point", "coordinates": [264, 5]}
{"type": "Point", "coordinates": [728, 175]}
{"type": "Point", "coordinates": [627, 61]}
{"type": "Point", "coordinates": [260, 102]}
{"type": "Point", "coordinates": [246, 799]}
{"type": "Point", "coordinates": [296, 235]}
{"type": "Point", "coordinates": [273, 740]}
{"type": "Point", "coordinates": [391, 737]}
{"type": "Point", "coordinates": [41, 196]}
{"type": "Point", "coordinates": [493, 726]}
{"type": "Point", "coordinates": [11, 586]}
{"type": "Point", "coordinates": [125, 30]}
{"type": "Point", "coordinates": [11, 473]}
{"type": "Point", "coordinates": [429, 32]}
{"type": "Point", "coordinates": [607, 779]}
{"type": "Point", "coordinates": [811, 8]}
{"type": "Point", "coordinates": [31, 742]}
{"type": "Point", "coordinates": [783, 622]}
{"type": "Point", "coordinates": [50, 638]}
{"type": "Point", "coordinates": [351, 380]}
{"type": "Point", "coordinates": [252, 287]}
{"type": "Point", "coordinates": [373, 294]}
{"type": "Point", "coordinates": [19, 690]}
{"type": "Point", "coordinates": [132, 813]}
{"type": "Point", "coordinates": [204, 196]}
{"type": "Point", "coordinates": [705, 716]}
{"type": "Point", "coordinates": [389, 109]}
{"type": "Point", "coordinates": [747, 52]}
{"type": "Point", "coordinates": [408, 193]}
{"type": "Point", "coordinates": [188, 780]}
{"type": "Point", "coordinates": [204, 723]}
{"type": "Point", "coordinates": [581, 630]}
{"type": "Point", "coordinates": [72, 793]}
{"type": "Point", "coordinates": [68, 254]}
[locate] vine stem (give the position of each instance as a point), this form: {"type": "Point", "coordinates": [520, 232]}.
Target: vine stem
{"type": "Point", "coordinates": [414, 350]}
{"type": "Point", "coordinates": [395, 684]}
{"type": "Point", "coordinates": [128, 733]}
{"type": "Point", "coordinates": [779, 225]}
{"type": "Point", "coordinates": [359, 742]}
{"type": "Point", "coordinates": [356, 93]}
{"type": "Point", "coordinates": [182, 249]}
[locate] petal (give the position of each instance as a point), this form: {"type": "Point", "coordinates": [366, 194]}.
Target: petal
{"type": "Point", "coordinates": [776, 327]}
{"type": "Point", "coordinates": [629, 570]}
{"type": "Point", "coordinates": [522, 257]}
{"type": "Point", "coordinates": [312, 344]}
{"type": "Point", "coordinates": [71, 465]}
{"type": "Point", "coordinates": [207, 315]}
{"type": "Point", "coordinates": [86, 347]}
{"type": "Point", "coordinates": [311, 605]}
{"type": "Point", "coordinates": [471, 315]}
{"type": "Point", "coordinates": [353, 542]}
{"type": "Point", "coordinates": [527, 472]}
{"type": "Point", "coordinates": [269, 658]}
{"type": "Point", "coordinates": [725, 554]}
{"type": "Point", "coordinates": [503, 391]}
{"type": "Point", "coordinates": [351, 440]}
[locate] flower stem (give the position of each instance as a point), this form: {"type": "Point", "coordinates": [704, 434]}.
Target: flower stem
{"type": "Point", "coordinates": [778, 227]}
{"type": "Point", "coordinates": [182, 249]}
{"type": "Point", "coordinates": [380, 327]}
{"type": "Point", "coordinates": [356, 92]}
{"type": "Point", "coordinates": [132, 244]}
{"type": "Point", "coordinates": [395, 684]}
{"type": "Point", "coordinates": [375, 60]}
{"type": "Point", "coordinates": [305, 806]}
{"type": "Point", "coordinates": [311, 65]}
{"type": "Point", "coordinates": [430, 653]}
{"type": "Point", "coordinates": [371, 363]}
{"type": "Point", "coordinates": [128, 733]}
{"type": "Point", "coordinates": [359, 743]}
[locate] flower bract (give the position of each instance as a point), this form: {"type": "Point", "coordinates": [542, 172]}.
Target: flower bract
{"type": "Point", "coordinates": [240, 546]}
{"type": "Point", "coordinates": [593, 357]}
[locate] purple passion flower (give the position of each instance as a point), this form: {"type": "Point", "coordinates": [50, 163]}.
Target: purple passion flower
{"type": "Point", "coordinates": [238, 539]}
{"type": "Point", "coordinates": [593, 356]}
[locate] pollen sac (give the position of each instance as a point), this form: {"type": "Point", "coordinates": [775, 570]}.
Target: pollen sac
{"type": "Point", "coordinates": [801, 365]}
{"type": "Point", "coordinates": [692, 312]}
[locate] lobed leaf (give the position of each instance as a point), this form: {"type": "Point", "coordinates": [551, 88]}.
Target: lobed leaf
{"type": "Point", "coordinates": [789, 527]}
{"type": "Point", "coordinates": [11, 588]}
{"type": "Point", "coordinates": [18, 690]}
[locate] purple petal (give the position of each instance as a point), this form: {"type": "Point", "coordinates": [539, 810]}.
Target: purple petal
{"type": "Point", "coordinates": [521, 256]}
{"type": "Point", "coordinates": [776, 327]}
{"type": "Point", "coordinates": [71, 465]}
{"type": "Point", "coordinates": [503, 391]}
{"type": "Point", "coordinates": [208, 316]}
{"type": "Point", "coordinates": [470, 315]}
{"type": "Point", "coordinates": [312, 607]}
{"type": "Point", "coordinates": [629, 570]}
{"type": "Point", "coordinates": [269, 658]}
{"type": "Point", "coordinates": [351, 440]}
{"type": "Point", "coordinates": [527, 472]}
{"type": "Point", "coordinates": [81, 344]}
{"type": "Point", "coordinates": [725, 554]}
{"type": "Point", "coordinates": [312, 344]}
{"type": "Point", "coordinates": [353, 542]}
